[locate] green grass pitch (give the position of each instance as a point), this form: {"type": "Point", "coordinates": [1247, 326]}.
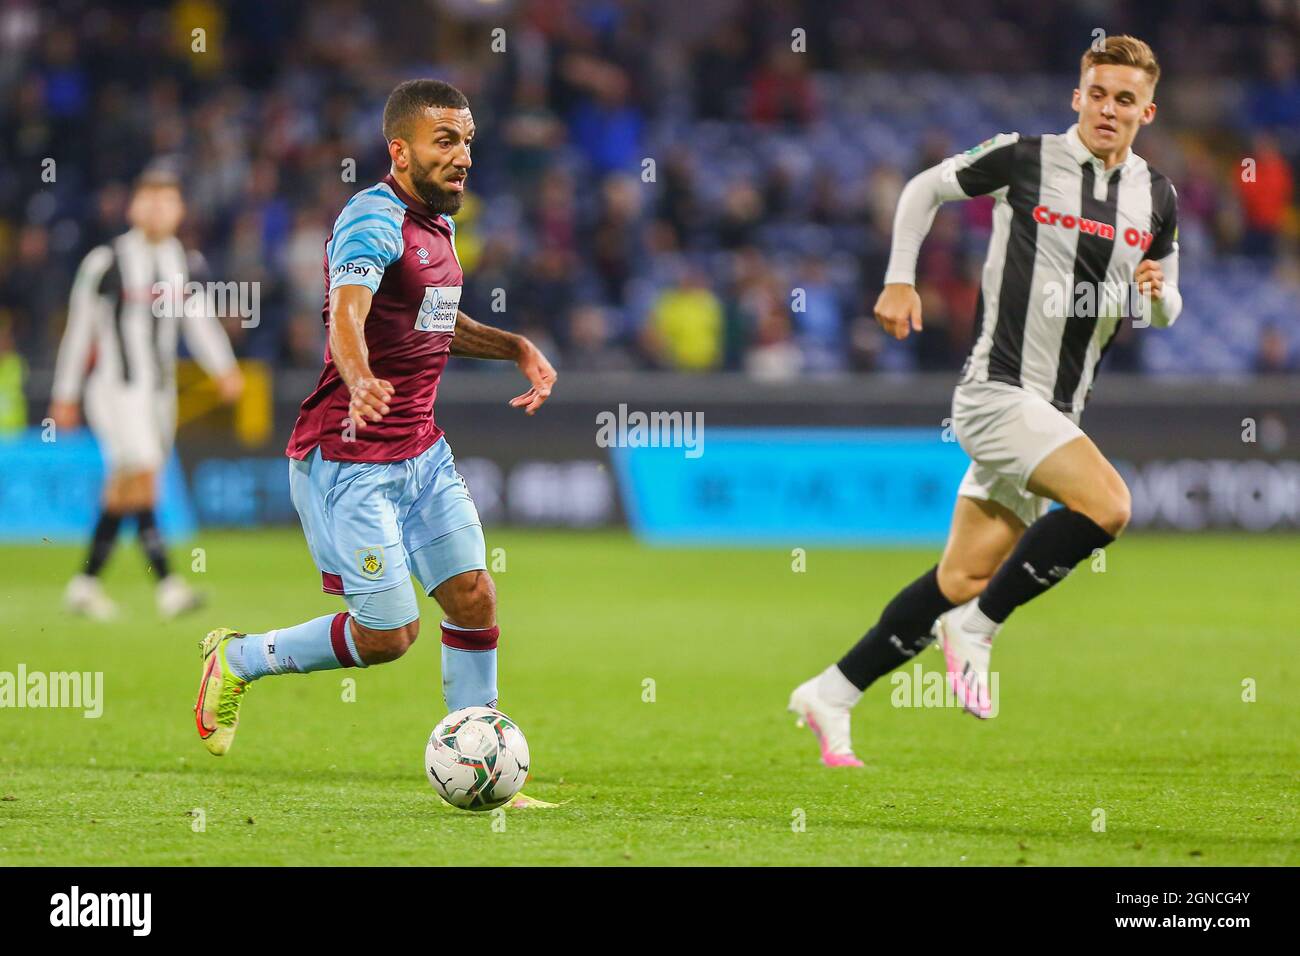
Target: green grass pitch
{"type": "Point", "coordinates": [1120, 692]}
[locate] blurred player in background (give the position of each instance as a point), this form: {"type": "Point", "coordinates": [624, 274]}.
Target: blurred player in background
{"type": "Point", "coordinates": [120, 346]}
{"type": "Point", "coordinates": [1079, 221]}
{"type": "Point", "coordinates": [371, 475]}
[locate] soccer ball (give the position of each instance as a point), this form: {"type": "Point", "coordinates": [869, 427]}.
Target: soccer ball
{"type": "Point", "coordinates": [476, 758]}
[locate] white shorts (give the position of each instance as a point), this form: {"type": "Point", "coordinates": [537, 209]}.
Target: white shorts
{"type": "Point", "coordinates": [135, 427]}
{"type": "Point", "coordinates": [1007, 431]}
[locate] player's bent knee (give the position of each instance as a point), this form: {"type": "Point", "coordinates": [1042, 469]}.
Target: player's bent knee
{"type": "Point", "coordinates": [960, 586]}
{"type": "Point", "coordinates": [482, 597]}
{"type": "Point", "coordinates": [470, 599]}
{"type": "Point", "coordinates": [1121, 512]}
{"type": "Point", "coordinates": [382, 646]}
{"type": "Point", "coordinates": [384, 623]}
{"type": "Point", "coordinates": [1113, 511]}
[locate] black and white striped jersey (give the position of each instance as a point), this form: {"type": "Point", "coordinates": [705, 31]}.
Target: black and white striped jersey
{"type": "Point", "coordinates": [129, 301]}
{"type": "Point", "coordinates": [1068, 235]}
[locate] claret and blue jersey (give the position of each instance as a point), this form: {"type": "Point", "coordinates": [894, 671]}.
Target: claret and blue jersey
{"type": "Point", "coordinates": [383, 502]}
{"type": "Point", "coordinates": [391, 243]}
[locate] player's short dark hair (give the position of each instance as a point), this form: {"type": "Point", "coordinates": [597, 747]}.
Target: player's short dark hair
{"type": "Point", "coordinates": [411, 98]}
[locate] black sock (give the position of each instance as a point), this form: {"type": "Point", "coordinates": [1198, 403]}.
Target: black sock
{"type": "Point", "coordinates": [1048, 551]}
{"type": "Point", "coordinates": [151, 541]}
{"type": "Point", "coordinates": [102, 541]}
{"type": "Point", "coordinates": [903, 629]}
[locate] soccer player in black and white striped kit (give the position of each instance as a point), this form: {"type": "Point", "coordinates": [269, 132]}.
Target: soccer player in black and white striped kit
{"type": "Point", "coordinates": [1080, 221]}
{"type": "Point", "coordinates": [128, 304]}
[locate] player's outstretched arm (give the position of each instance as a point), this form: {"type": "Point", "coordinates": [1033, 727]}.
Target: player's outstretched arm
{"type": "Point", "coordinates": [476, 340]}
{"type": "Point", "coordinates": [977, 172]}
{"type": "Point", "coordinates": [85, 303]}
{"type": "Point", "coordinates": [349, 306]}
{"type": "Point", "coordinates": [207, 340]}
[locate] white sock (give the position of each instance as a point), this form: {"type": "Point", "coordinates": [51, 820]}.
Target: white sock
{"type": "Point", "coordinates": [834, 688]}
{"type": "Point", "coordinates": [979, 622]}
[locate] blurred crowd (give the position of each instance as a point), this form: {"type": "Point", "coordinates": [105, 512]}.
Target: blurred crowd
{"type": "Point", "coordinates": [687, 185]}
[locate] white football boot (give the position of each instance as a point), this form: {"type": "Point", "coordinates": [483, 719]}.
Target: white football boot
{"type": "Point", "coordinates": [176, 597]}
{"type": "Point", "coordinates": [85, 595]}
{"type": "Point", "coordinates": [824, 703]}
{"type": "Point", "coordinates": [967, 651]}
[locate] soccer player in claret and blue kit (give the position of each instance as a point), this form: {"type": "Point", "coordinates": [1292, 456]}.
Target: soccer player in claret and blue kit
{"type": "Point", "coordinates": [370, 473]}
{"type": "Point", "coordinates": [1082, 227]}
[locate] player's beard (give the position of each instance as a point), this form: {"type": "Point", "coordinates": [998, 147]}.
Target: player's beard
{"type": "Point", "coordinates": [440, 201]}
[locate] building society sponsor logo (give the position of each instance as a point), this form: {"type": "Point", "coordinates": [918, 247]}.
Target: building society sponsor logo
{"type": "Point", "coordinates": [438, 310]}
{"type": "Point", "coordinates": [75, 908]}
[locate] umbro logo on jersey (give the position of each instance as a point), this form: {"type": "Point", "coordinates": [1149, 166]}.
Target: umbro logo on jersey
{"type": "Point", "coordinates": [1046, 216]}
{"type": "Point", "coordinates": [423, 254]}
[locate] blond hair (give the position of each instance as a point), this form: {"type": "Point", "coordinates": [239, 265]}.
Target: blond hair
{"type": "Point", "coordinates": [1123, 51]}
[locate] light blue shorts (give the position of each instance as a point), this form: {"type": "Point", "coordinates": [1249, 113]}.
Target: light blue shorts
{"type": "Point", "coordinates": [370, 527]}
